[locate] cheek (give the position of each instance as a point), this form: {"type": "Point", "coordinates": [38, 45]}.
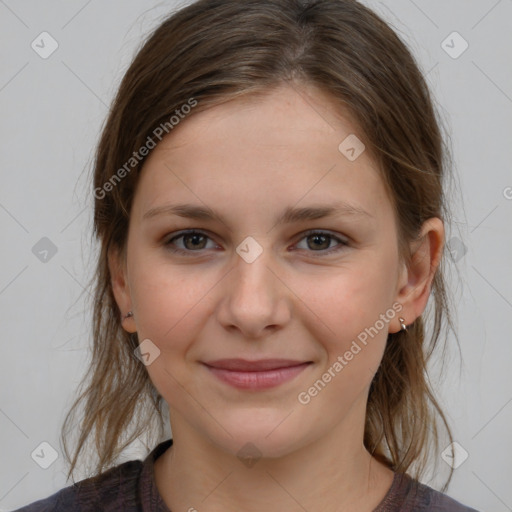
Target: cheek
{"type": "Point", "coordinates": [167, 299]}
{"type": "Point", "coordinates": [347, 306]}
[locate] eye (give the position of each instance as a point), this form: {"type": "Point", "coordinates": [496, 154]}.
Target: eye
{"type": "Point", "coordinates": [192, 240]}
{"type": "Point", "coordinates": [195, 241]}
{"type": "Point", "coordinates": [320, 241]}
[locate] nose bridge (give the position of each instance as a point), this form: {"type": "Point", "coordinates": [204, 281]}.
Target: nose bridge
{"type": "Point", "coordinates": [253, 282]}
{"type": "Point", "coordinates": [255, 295]}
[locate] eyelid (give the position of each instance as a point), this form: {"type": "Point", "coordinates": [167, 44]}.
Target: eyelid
{"type": "Point", "coordinates": [343, 241]}
{"type": "Point", "coordinates": [180, 234]}
{"type": "Point", "coordinates": [332, 234]}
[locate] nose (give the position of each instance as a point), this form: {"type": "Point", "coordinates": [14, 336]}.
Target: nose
{"type": "Point", "coordinates": [256, 300]}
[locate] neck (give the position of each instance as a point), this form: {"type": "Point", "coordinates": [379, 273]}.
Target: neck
{"type": "Point", "coordinates": [332, 474]}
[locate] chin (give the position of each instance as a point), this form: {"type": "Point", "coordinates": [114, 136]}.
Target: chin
{"type": "Point", "coordinates": [261, 434]}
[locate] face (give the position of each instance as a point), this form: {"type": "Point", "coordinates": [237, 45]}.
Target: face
{"type": "Point", "coordinates": [252, 285]}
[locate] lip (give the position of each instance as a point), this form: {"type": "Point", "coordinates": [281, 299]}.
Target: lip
{"type": "Point", "coordinates": [253, 366]}
{"type": "Point", "coordinates": [255, 375]}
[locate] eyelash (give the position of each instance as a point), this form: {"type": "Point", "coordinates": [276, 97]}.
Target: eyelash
{"type": "Point", "coordinates": [342, 243]}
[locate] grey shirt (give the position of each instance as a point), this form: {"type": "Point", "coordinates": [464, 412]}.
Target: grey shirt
{"type": "Point", "coordinates": [131, 487]}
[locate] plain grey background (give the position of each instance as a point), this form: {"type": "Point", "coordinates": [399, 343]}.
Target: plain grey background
{"type": "Point", "coordinates": [52, 110]}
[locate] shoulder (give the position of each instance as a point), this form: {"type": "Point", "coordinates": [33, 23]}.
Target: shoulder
{"type": "Point", "coordinates": [440, 502]}
{"type": "Point", "coordinates": [427, 498]}
{"type": "Point", "coordinates": [409, 495]}
{"type": "Point", "coordinates": [115, 489]}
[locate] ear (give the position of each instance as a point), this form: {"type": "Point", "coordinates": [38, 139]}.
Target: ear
{"type": "Point", "coordinates": [120, 287]}
{"type": "Point", "coordinates": [416, 279]}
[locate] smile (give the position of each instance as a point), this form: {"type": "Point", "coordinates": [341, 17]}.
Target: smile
{"type": "Point", "coordinates": [256, 375]}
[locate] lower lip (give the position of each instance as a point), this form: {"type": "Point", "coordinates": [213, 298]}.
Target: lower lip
{"type": "Point", "coordinates": [257, 380]}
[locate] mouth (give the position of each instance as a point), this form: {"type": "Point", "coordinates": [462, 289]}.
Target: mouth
{"type": "Point", "coordinates": [255, 375]}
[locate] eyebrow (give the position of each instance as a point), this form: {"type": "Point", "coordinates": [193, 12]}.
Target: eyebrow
{"type": "Point", "coordinates": [288, 216]}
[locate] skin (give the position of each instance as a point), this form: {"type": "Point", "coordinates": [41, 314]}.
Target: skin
{"type": "Point", "coordinates": [248, 159]}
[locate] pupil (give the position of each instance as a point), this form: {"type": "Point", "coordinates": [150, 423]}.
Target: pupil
{"type": "Point", "coordinates": [317, 237]}
{"type": "Point", "coordinates": [194, 237]}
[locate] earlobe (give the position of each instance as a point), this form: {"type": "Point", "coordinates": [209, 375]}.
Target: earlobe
{"type": "Point", "coordinates": [419, 274]}
{"type": "Point", "coordinates": [121, 289]}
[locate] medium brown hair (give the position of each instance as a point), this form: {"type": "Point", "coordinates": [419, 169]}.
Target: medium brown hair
{"type": "Point", "coordinates": [214, 51]}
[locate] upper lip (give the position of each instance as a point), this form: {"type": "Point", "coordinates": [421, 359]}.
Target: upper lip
{"type": "Point", "coordinates": [253, 366]}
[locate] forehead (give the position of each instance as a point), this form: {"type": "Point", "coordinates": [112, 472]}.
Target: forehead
{"type": "Point", "coordinates": [263, 151]}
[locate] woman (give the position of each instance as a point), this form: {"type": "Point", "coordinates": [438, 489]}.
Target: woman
{"type": "Point", "coordinates": [270, 211]}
